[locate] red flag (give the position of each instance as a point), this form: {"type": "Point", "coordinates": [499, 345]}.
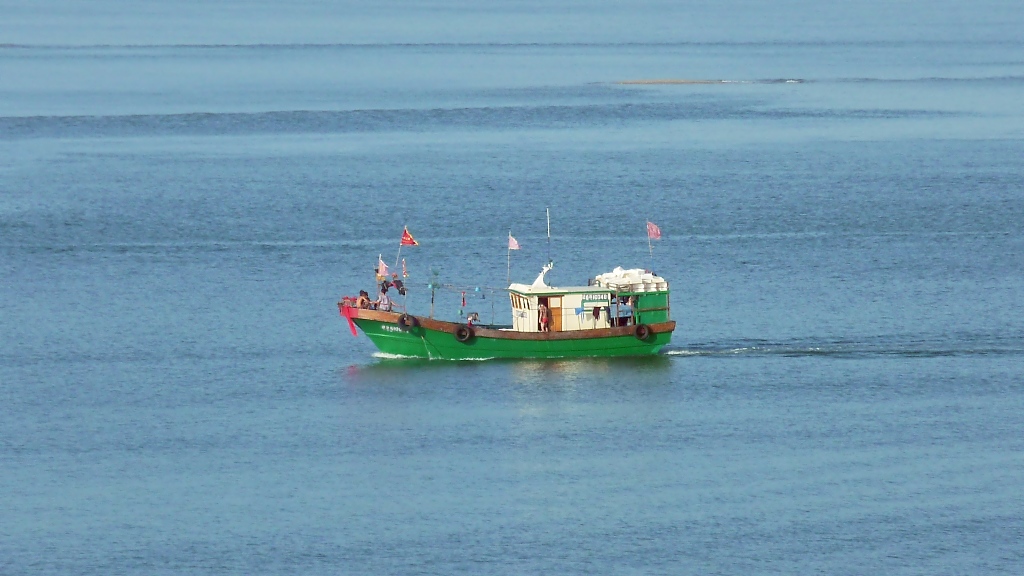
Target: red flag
{"type": "Point", "coordinates": [407, 239]}
{"type": "Point", "coordinates": [347, 312]}
{"type": "Point", "coordinates": [653, 232]}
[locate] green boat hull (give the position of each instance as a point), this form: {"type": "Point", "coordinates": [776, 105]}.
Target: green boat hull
{"type": "Point", "coordinates": [439, 341]}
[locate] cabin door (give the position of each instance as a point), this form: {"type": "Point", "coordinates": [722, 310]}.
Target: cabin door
{"type": "Point", "coordinates": [555, 305]}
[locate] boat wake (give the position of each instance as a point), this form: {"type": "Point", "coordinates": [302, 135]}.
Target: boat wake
{"type": "Point", "coordinates": [882, 347]}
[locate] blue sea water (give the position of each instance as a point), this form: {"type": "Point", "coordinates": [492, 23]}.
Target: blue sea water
{"type": "Point", "coordinates": [187, 188]}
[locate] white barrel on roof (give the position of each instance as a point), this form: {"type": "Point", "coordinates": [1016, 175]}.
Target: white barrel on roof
{"type": "Point", "coordinates": [633, 280]}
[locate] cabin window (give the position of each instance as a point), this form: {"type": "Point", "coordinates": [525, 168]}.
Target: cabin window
{"type": "Point", "coordinates": [519, 302]}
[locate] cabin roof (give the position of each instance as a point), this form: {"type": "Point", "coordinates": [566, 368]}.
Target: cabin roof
{"type": "Point", "coordinates": [528, 290]}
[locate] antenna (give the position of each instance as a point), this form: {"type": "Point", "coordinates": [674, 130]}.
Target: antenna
{"type": "Point", "coordinates": [435, 274]}
{"type": "Point", "coordinates": [548, 212]}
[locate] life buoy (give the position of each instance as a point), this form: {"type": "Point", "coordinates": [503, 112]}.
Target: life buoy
{"type": "Point", "coordinates": [642, 332]}
{"type": "Point", "coordinates": [463, 333]}
{"type": "Point", "coordinates": [406, 321]}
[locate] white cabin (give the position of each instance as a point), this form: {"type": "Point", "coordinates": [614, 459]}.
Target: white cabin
{"type": "Point", "coordinates": [609, 302]}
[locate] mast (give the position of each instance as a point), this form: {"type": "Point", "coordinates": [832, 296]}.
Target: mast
{"type": "Point", "coordinates": [508, 269]}
{"type": "Point", "coordinates": [650, 247]}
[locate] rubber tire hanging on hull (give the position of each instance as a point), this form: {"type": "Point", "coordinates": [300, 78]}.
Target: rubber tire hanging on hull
{"type": "Point", "coordinates": [464, 333]}
{"type": "Point", "coordinates": [406, 321]}
{"type": "Point", "coordinates": [642, 332]}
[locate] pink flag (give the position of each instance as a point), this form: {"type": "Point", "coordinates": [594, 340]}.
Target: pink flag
{"type": "Point", "coordinates": [512, 244]}
{"type": "Point", "coordinates": [382, 268]}
{"type": "Point", "coordinates": [653, 232]}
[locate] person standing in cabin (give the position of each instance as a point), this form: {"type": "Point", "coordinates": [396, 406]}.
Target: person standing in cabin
{"type": "Point", "coordinates": [625, 311]}
{"type": "Point", "coordinates": [542, 317]}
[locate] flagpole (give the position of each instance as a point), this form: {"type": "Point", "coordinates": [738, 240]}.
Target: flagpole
{"type": "Point", "coordinates": [404, 228]}
{"type": "Point", "coordinates": [650, 247]}
{"type": "Point", "coordinates": [508, 273]}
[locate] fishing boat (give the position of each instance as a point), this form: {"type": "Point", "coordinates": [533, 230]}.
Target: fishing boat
{"type": "Point", "coordinates": [619, 313]}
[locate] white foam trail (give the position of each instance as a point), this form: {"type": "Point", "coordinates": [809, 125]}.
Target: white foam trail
{"type": "Point", "coordinates": [710, 352]}
{"type": "Point", "coordinates": [389, 356]}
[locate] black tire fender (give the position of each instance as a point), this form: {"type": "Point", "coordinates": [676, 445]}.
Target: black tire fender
{"type": "Point", "coordinates": [406, 321]}
{"type": "Point", "coordinates": [642, 332]}
{"type": "Point", "coordinates": [464, 333]}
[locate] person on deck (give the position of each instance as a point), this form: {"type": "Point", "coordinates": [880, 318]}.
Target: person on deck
{"type": "Point", "coordinates": [542, 317]}
{"type": "Point", "coordinates": [364, 300]}
{"type": "Point", "coordinates": [383, 301]}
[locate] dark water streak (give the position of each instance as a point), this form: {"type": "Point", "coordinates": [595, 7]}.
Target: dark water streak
{"type": "Point", "coordinates": [340, 122]}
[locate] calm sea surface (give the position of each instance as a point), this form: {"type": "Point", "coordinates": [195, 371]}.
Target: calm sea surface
{"type": "Point", "coordinates": [187, 188]}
